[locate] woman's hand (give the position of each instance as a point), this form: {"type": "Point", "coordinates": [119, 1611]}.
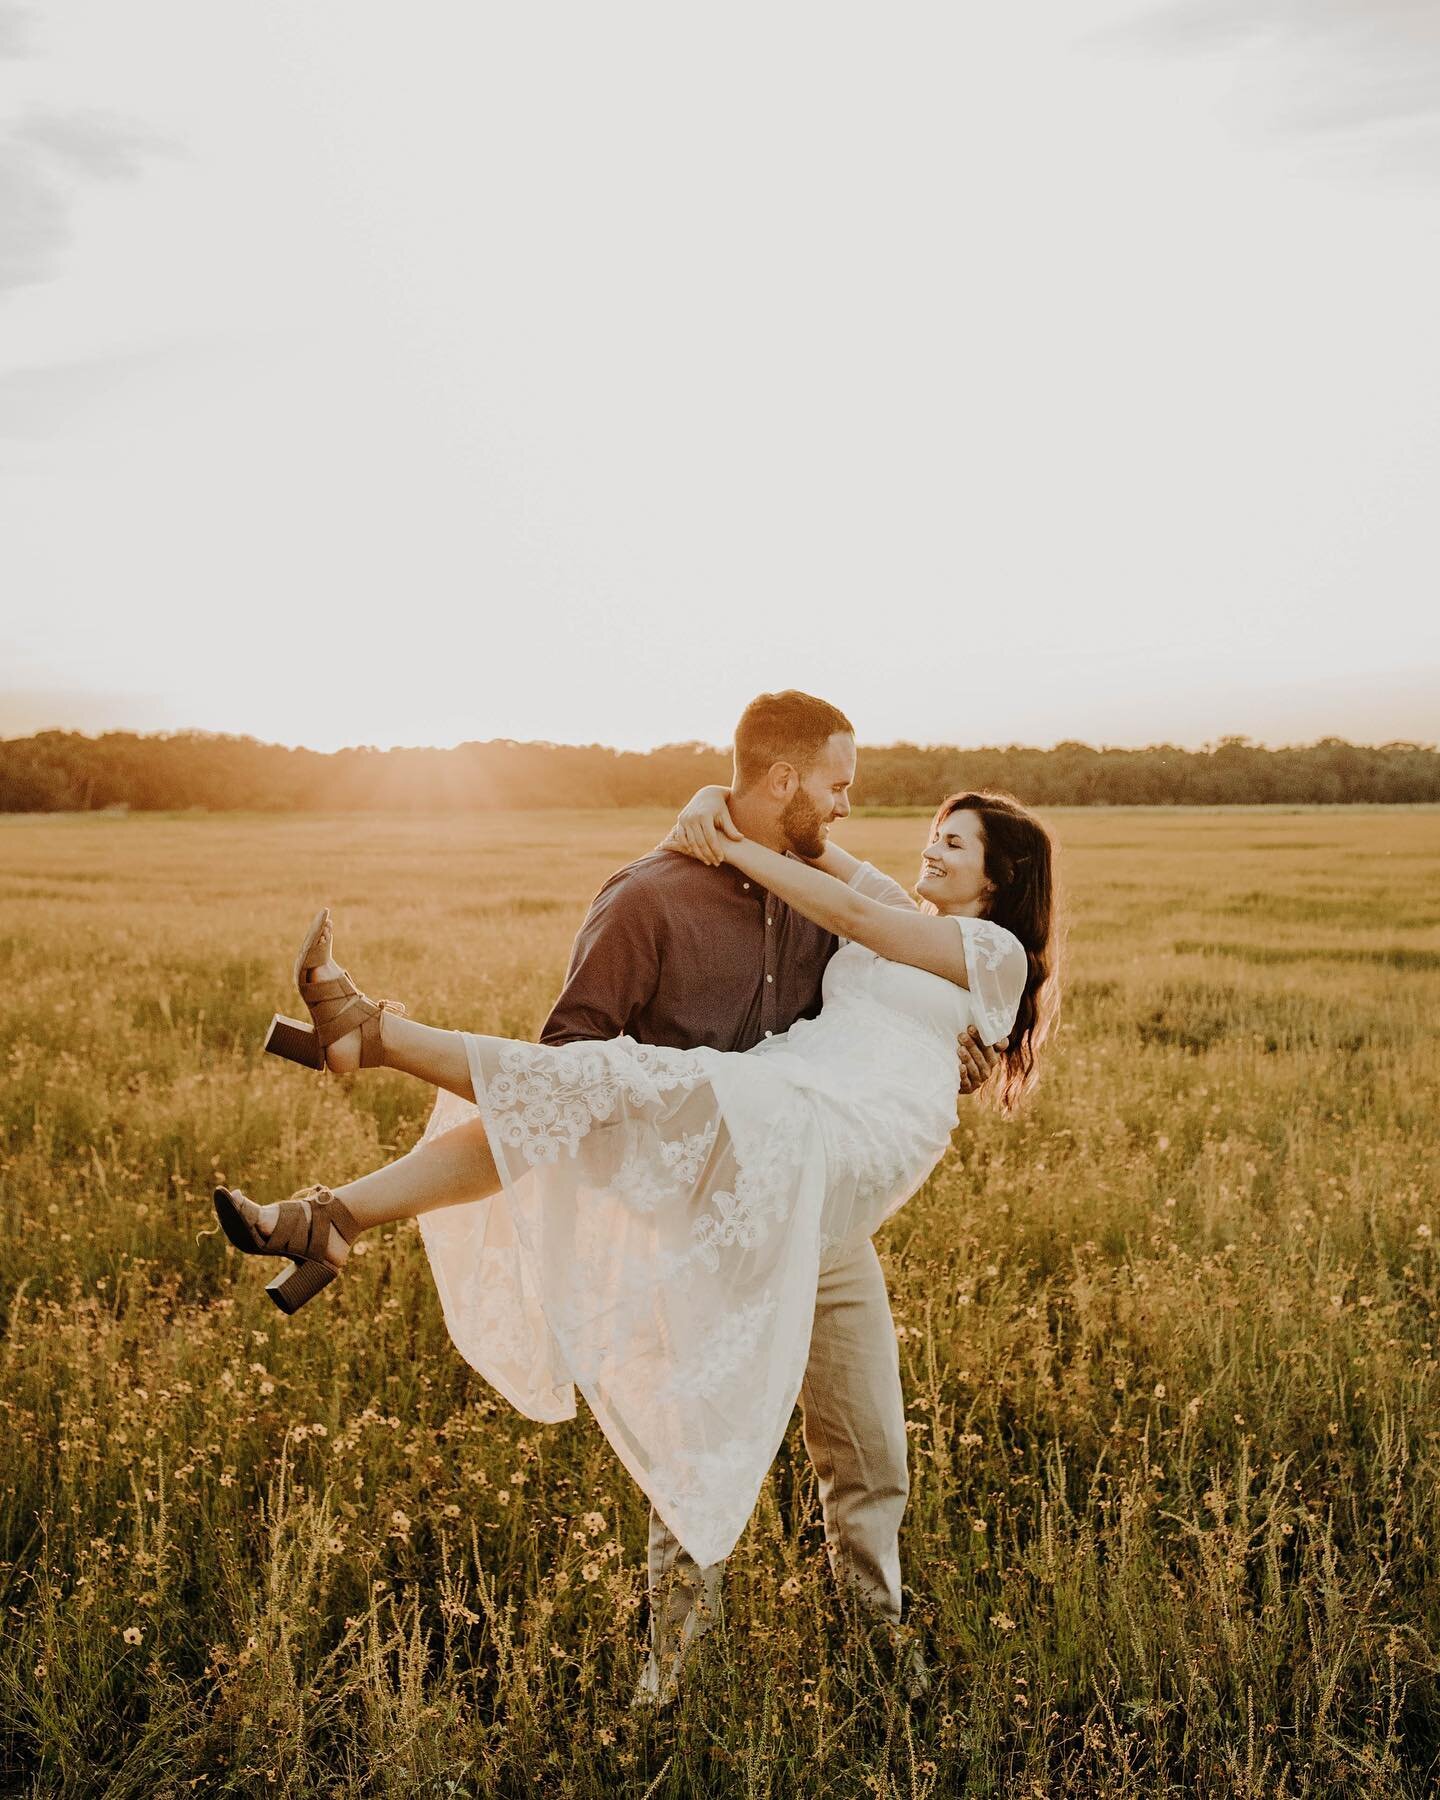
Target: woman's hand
{"type": "Point", "coordinates": [704, 826]}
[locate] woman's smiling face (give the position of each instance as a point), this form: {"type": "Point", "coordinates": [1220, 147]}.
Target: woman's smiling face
{"type": "Point", "coordinates": [952, 869]}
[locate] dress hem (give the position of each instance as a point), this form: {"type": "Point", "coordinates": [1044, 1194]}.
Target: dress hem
{"type": "Point", "coordinates": [633, 1468]}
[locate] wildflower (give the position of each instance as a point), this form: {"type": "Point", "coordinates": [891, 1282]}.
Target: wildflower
{"type": "Point", "coordinates": [592, 1571]}
{"type": "Point", "coordinates": [1159, 1390]}
{"type": "Point", "coordinates": [1422, 1231]}
{"type": "Point", "coordinates": [593, 1522]}
{"type": "Point", "coordinates": [401, 1523]}
{"type": "Point", "coordinates": [977, 1525]}
{"type": "Point", "coordinates": [1162, 1142]}
{"type": "Point", "coordinates": [452, 1511]}
{"type": "Point", "coordinates": [318, 1431]}
{"type": "Point", "coordinates": [132, 1634]}
{"type": "Point", "coordinates": [1003, 1622]}
{"type": "Point", "coordinates": [790, 1588]}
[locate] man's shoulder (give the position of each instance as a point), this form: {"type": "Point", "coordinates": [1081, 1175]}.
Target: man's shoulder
{"type": "Point", "coordinates": [651, 878]}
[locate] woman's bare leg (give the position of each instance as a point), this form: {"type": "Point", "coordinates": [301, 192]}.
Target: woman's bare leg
{"type": "Point", "coordinates": [441, 1171]}
{"type": "Point", "coordinates": [433, 1056]}
{"type": "Point", "coordinates": [424, 1051]}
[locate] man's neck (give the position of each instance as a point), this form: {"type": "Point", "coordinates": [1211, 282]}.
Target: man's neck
{"type": "Point", "coordinates": [758, 822]}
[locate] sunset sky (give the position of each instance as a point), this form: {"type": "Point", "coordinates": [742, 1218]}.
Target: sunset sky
{"type": "Point", "coordinates": [1011, 374]}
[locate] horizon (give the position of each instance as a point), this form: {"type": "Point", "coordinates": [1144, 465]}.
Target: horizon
{"type": "Point", "coordinates": [703, 745]}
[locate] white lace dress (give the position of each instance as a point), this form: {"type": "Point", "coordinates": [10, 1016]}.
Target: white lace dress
{"type": "Point", "coordinates": [664, 1213]}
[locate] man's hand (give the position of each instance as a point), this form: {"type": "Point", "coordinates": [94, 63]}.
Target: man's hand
{"type": "Point", "coordinates": [977, 1059]}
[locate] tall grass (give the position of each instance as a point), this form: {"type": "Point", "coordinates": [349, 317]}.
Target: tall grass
{"type": "Point", "coordinates": [1169, 1348]}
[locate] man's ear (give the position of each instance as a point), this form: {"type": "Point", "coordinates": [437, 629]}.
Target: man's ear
{"type": "Point", "coordinates": [784, 778]}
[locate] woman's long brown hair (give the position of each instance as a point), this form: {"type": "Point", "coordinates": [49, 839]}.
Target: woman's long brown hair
{"type": "Point", "coordinates": [1019, 863]}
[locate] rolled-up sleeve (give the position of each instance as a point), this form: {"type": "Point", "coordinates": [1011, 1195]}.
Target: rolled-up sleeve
{"type": "Point", "coordinates": [614, 965]}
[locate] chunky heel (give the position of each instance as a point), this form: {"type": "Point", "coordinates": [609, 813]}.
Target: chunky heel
{"type": "Point", "coordinates": [313, 1230]}
{"type": "Point", "coordinates": [301, 1282]}
{"type": "Point", "coordinates": [296, 1042]}
{"type": "Point", "coordinates": [336, 1008]}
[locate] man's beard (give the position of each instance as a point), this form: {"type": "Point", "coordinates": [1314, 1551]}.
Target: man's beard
{"type": "Point", "coordinates": [800, 824]}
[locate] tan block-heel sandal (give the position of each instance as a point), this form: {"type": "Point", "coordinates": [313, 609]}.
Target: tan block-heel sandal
{"type": "Point", "coordinates": [336, 1007]}
{"type": "Point", "coordinates": [306, 1231]}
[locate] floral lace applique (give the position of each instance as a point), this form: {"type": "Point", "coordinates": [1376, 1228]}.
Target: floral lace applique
{"type": "Point", "coordinates": [711, 1363]}
{"type": "Point", "coordinates": [545, 1100]}
{"type": "Point", "coordinates": [992, 942]}
{"type": "Point", "coordinates": [645, 1185]}
{"type": "Point", "coordinates": [742, 1217]}
{"type": "Point", "coordinates": [762, 1193]}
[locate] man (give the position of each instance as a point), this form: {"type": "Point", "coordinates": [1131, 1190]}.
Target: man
{"type": "Point", "coordinates": [675, 952]}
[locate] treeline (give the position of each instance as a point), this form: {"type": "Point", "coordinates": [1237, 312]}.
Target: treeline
{"type": "Point", "coordinates": [59, 771]}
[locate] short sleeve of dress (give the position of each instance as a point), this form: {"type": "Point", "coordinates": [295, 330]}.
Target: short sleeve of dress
{"type": "Point", "coordinates": [997, 967]}
{"type": "Point", "coordinates": [874, 884]}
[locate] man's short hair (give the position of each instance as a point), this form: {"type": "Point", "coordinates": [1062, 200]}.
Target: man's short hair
{"type": "Point", "coordinates": [787, 727]}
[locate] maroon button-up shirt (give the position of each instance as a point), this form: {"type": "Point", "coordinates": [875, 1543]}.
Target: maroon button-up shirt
{"type": "Point", "coordinates": [675, 952]}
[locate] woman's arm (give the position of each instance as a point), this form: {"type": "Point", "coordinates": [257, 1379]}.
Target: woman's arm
{"type": "Point", "coordinates": [992, 964]}
{"type": "Point", "coordinates": [704, 825]}
{"type": "Point", "coordinates": [975, 954]}
{"type": "Point", "coordinates": [925, 940]}
{"type": "Point", "coordinates": [837, 862]}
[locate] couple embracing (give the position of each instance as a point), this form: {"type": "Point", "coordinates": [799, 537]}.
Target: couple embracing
{"type": "Point", "coordinates": [669, 1201]}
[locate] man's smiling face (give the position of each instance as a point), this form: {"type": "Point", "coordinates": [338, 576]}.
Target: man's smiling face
{"type": "Point", "coordinates": [823, 795]}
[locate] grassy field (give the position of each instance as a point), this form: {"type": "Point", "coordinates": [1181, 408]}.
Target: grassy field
{"type": "Point", "coordinates": [1169, 1348]}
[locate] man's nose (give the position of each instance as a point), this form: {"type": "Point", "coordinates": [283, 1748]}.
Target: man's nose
{"type": "Point", "coordinates": [842, 807]}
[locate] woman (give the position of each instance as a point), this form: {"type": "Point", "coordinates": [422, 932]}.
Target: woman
{"type": "Point", "coordinates": [647, 1223]}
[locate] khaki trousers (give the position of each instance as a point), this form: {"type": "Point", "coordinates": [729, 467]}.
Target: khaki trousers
{"type": "Point", "coordinates": [854, 1423]}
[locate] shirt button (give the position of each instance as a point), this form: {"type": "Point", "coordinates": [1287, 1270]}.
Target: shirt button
{"type": "Point", "coordinates": [767, 918]}
{"type": "Point", "coordinates": [769, 1034]}
{"type": "Point", "coordinates": [769, 977]}
{"type": "Point", "coordinates": [746, 886]}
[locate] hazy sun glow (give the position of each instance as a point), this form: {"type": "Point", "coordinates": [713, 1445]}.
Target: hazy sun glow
{"type": "Point", "coordinates": [410, 376]}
